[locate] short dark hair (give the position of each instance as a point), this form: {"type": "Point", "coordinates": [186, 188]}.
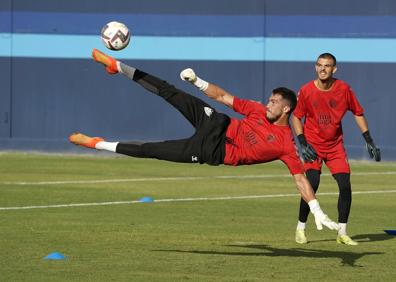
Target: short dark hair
{"type": "Point", "coordinates": [328, 56]}
{"type": "Point", "coordinates": [288, 95]}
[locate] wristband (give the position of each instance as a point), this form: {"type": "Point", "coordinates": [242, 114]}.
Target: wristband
{"type": "Point", "coordinates": [367, 137]}
{"type": "Point", "coordinates": [302, 140]}
{"type": "Point", "coordinates": [201, 84]}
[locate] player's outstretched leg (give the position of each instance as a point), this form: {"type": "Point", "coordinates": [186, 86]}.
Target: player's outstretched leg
{"type": "Point", "coordinates": [109, 62]}
{"type": "Point", "coordinates": [84, 140]}
{"type": "Point", "coordinates": [183, 150]}
{"type": "Point", "coordinates": [192, 108]}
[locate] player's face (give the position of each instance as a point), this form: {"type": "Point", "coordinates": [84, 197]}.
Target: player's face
{"type": "Point", "coordinates": [275, 107]}
{"type": "Point", "coordinates": [325, 68]}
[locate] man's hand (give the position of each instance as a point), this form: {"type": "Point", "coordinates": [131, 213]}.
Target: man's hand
{"type": "Point", "coordinates": [373, 151]}
{"type": "Point", "coordinates": [320, 217]}
{"type": "Point", "coordinates": [307, 151]}
{"type": "Point", "coordinates": [188, 75]}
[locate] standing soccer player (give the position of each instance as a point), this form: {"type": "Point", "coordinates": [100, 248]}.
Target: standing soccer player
{"type": "Point", "coordinates": [323, 102]}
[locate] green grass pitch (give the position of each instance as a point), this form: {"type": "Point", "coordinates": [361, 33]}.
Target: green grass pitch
{"type": "Point", "coordinates": [211, 228]}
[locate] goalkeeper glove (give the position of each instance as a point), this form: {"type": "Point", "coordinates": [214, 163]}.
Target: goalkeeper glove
{"type": "Point", "coordinates": [190, 76]}
{"type": "Point", "coordinates": [307, 151]}
{"type": "Point", "coordinates": [320, 217]}
{"type": "Point", "coordinates": [373, 151]}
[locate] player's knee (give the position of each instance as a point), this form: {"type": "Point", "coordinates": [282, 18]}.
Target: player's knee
{"type": "Point", "coordinates": [344, 183]}
{"type": "Point", "coordinates": [343, 180]}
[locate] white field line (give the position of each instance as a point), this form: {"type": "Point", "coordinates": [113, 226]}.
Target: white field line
{"type": "Point", "coordinates": [181, 178]}
{"type": "Point", "coordinates": [189, 200]}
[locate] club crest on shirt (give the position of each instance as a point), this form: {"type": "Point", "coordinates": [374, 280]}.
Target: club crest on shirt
{"type": "Point", "coordinates": [270, 138]}
{"type": "Point", "coordinates": [332, 103]}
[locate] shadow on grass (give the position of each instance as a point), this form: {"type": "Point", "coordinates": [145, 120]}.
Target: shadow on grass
{"type": "Point", "coordinates": [363, 238]}
{"type": "Point", "coordinates": [347, 258]}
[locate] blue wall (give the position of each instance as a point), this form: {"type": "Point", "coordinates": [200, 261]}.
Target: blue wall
{"type": "Point", "coordinates": [51, 87]}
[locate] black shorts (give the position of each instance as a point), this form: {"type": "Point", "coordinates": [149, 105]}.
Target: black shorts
{"type": "Point", "coordinates": [207, 145]}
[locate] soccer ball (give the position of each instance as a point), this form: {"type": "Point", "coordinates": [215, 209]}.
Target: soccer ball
{"type": "Point", "coordinates": [115, 36]}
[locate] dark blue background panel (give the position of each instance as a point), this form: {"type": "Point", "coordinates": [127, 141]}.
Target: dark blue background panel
{"type": "Point", "coordinates": [220, 7]}
{"type": "Point", "coordinates": [5, 16]}
{"type": "Point", "coordinates": [139, 24]}
{"type": "Point", "coordinates": [5, 98]}
{"type": "Point", "coordinates": [330, 26]}
{"type": "Point", "coordinates": [204, 25]}
{"type": "Point", "coordinates": [334, 7]}
{"type": "Point", "coordinates": [146, 7]}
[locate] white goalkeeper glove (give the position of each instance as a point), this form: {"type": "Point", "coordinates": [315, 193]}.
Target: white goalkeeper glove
{"type": "Point", "coordinates": [190, 76]}
{"type": "Point", "coordinates": [320, 217]}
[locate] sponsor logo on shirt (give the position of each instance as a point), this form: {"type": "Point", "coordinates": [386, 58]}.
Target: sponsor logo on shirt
{"type": "Point", "coordinates": [324, 119]}
{"type": "Point", "coordinates": [250, 138]}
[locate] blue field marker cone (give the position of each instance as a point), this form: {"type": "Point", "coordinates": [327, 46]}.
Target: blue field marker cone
{"type": "Point", "coordinates": [146, 200]}
{"type": "Point", "coordinates": [55, 256]}
{"type": "Point", "coordinates": [390, 232]}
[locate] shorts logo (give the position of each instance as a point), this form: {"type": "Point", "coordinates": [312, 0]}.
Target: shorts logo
{"type": "Point", "coordinates": [208, 111]}
{"type": "Point", "coordinates": [194, 158]}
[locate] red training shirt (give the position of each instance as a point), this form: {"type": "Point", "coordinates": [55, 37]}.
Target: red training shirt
{"type": "Point", "coordinates": [323, 112]}
{"type": "Point", "coordinates": [255, 140]}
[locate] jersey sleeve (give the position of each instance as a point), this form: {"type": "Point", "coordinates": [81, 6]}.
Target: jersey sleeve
{"type": "Point", "coordinates": [293, 162]}
{"type": "Point", "coordinates": [247, 107]}
{"type": "Point", "coordinates": [300, 109]}
{"type": "Point", "coordinates": [353, 103]}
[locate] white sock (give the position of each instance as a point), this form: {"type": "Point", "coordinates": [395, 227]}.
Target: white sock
{"type": "Point", "coordinates": [119, 66]}
{"type": "Point", "coordinates": [107, 146]}
{"type": "Point", "coordinates": [201, 84]}
{"type": "Point", "coordinates": [343, 229]}
{"type": "Point", "coordinates": [300, 225]}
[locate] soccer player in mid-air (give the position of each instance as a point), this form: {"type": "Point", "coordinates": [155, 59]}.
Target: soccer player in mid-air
{"type": "Point", "coordinates": [323, 102]}
{"type": "Point", "coordinates": [263, 135]}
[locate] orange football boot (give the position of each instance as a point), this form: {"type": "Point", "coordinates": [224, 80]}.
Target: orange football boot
{"type": "Point", "coordinates": [109, 62]}
{"type": "Point", "coordinates": [84, 140]}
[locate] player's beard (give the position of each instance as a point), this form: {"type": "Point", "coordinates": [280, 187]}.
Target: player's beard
{"type": "Point", "coordinates": [272, 118]}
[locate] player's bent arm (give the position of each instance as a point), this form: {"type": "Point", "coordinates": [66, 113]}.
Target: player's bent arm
{"type": "Point", "coordinates": [211, 90]}
{"type": "Point", "coordinates": [219, 94]}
